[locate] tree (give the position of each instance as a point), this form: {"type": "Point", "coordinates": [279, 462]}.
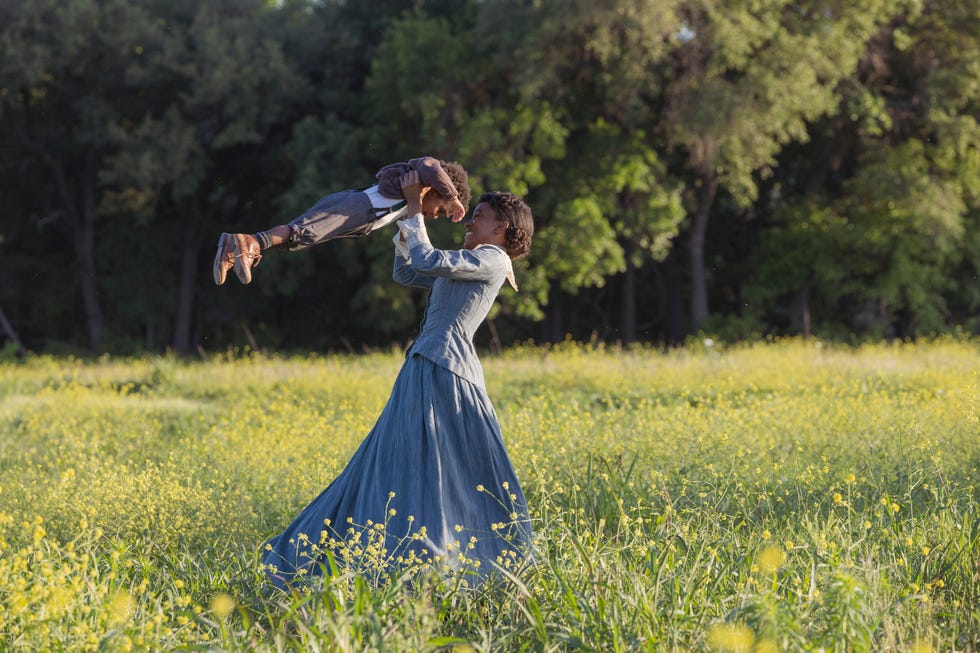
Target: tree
{"type": "Point", "coordinates": [458, 106]}
{"type": "Point", "coordinates": [777, 165]}
{"type": "Point", "coordinates": [608, 204]}
{"type": "Point", "coordinates": [891, 192]}
{"type": "Point", "coordinates": [218, 86]}
{"type": "Point", "coordinates": [619, 212]}
{"type": "Point", "coordinates": [61, 88]}
{"type": "Point", "coordinates": [748, 78]}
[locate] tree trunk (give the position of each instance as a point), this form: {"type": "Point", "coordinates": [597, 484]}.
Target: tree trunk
{"type": "Point", "coordinates": [699, 230]}
{"type": "Point", "coordinates": [553, 320]}
{"type": "Point", "coordinates": [832, 159]}
{"type": "Point", "coordinates": [627, 314]}
{"type": "Point", "coordinates": [673, 298]}
{"type": "Point", "coordinates": [801, 312]}
{"type": "Point", "coordinates": [81, 214]}
{"type": "Point", "coordinates": [9, 330]}
{"type": "Point", "coordinates": [84, 236]}
{"type": "Point", "coordinates": [495, 345]}
{"type": "Point", "coordinates": [80, 211]}
{"type": "Point", "coordinates": [189, 270]}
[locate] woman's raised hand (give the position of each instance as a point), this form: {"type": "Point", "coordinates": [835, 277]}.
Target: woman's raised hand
{"type": "Point", "coordinates": [412, 191]}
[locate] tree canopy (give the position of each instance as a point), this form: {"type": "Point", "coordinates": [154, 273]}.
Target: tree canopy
{"type": "Point", "coordinates": [731, 167]}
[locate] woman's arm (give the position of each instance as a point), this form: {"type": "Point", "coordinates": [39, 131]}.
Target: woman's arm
{"type": "Point", "coordinates": [402, 271]}
{"type": "Point", "coordinates": [480, 264]}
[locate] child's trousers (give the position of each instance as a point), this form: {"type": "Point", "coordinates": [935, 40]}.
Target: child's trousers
{"type": "Point", "coordinates": [347, 214]}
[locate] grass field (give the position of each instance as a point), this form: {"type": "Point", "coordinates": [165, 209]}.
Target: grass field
{"type": "Point", "coordinates": [786, 496]}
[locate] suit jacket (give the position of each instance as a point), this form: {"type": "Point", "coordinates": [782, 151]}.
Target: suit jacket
{"type": "Point", "coordinates": [430, 173]}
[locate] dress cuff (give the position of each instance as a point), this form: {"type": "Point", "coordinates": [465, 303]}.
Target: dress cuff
{"type": "Point", "coordinates": [401, 248]}
{"type": "Point", "coordinates": [414, 230]}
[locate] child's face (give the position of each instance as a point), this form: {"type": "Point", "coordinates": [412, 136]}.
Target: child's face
{"type": "Point", "coordinates": [434, 205]}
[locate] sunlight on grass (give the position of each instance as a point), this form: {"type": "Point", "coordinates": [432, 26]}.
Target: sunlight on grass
{"type": "Point", "coordinates": [769, 497]}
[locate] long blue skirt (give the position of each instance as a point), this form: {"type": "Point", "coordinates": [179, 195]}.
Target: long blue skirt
{"type": "Point", "coordinates": [430, 486]}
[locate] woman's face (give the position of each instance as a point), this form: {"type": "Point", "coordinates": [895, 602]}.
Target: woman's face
{"type": "Point", "coordinates": [484, 228]}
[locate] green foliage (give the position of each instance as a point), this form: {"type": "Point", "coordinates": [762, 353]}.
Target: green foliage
{"type": "Point", "coordinates": [643, 204]}
{"type": "Point", "coordinates": [510, 145]}
{"type": "Point", "coordinates": [617, 190]}
{"type": "Point", "coordinates": [815, 158]}
{"type": "Point", "coordinates": [412, 72]}
{"type": "Point", "coordinates": [756, 74]}
{"type": "Point", "coordinates": [581, 248]}
{"type": "Point", "coordinates": [234, 83]}
{"type": "Point", "coordinates": [908, 221]}
{"type": "Point", "coordinates": [591, 60]}
{"type": "Point", "coordinates": [317, 151]}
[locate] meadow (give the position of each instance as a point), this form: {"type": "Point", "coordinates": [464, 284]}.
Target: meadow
{"type": "Point", "coordinates": [776, 496]}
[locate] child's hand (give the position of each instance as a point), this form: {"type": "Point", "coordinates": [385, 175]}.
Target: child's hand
{"type": "Point", "coordinates": [456, 210]}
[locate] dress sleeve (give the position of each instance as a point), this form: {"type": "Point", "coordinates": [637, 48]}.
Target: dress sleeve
{"type": "Point", "coordinates": [402, 271]}
{"type": "Point", "coordinates": [432, 174]}
{"type": "Point", "coordinates": [480, 264]}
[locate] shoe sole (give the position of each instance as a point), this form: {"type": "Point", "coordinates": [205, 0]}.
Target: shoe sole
{"type": "Point", "coordinates": [242, 269]}
{"type": "Point", "coordinates": [219, 271]}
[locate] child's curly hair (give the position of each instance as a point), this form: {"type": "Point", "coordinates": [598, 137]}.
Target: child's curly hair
{"type": "Point", "coordinates": [514, 210]}
{"type": "Point", "coordinates": [461, 180]}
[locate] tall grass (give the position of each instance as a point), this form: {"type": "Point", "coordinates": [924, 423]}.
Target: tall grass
{"type": "Point", "coordinates": [784, 496]}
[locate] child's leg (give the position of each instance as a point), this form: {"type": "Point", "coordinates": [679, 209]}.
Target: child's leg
{"type": "Point", "coordinates": [274, 237]}
{"type": "Point", "coordinates": [345, 214]}
{"type": "Point", "coordinates": [340, 215]}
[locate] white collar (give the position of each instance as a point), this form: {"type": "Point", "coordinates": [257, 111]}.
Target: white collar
{"type": "Point", "coordinates": [510, 267]}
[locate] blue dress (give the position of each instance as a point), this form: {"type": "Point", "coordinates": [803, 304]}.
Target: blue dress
{"type": "Point", "coordinates": [431, 485]}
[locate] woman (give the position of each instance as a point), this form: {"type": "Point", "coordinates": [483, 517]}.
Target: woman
{"type": "Point", "coordinates": [432, 484]}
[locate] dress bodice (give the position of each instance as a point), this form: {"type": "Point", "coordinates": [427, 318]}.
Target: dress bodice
{"type": "Point", "coordinates": [463, 285]}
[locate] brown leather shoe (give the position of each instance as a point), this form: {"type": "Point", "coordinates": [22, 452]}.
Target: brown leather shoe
{"type": "Point", "coordinates": [247, 255]}
{"type": "Point", "coordinates": [224, 258]}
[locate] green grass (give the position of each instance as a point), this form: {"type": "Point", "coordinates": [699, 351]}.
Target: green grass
{"type": "Point", "coordinates": [787, 496]}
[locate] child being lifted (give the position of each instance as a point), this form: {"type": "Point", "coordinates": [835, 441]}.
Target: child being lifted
{"type": "Point", "coordinates": [350, 213]}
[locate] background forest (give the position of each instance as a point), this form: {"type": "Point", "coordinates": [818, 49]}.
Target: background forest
{"type": "Point", "coordinates": [727, 167]}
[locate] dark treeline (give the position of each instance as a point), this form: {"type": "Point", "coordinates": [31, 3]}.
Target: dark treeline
{"type": "Point", "coordinates": [731, 167]}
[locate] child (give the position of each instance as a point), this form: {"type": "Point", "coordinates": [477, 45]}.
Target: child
{"type": "Point", "coordinates": [350, 213]}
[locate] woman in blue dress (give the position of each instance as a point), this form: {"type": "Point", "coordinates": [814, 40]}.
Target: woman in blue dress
{"type": "Point", "coordinates": [431, 485]}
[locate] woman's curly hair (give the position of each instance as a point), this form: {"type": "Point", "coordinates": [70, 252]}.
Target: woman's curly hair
{"type": "Point", "coordinates": [517, 213]}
